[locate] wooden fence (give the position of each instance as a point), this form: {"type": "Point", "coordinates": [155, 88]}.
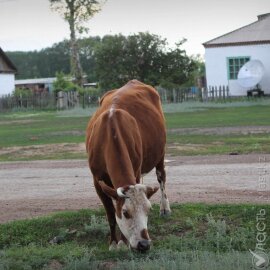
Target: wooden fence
{"type": "Point", "coordinates": [48, 101]}
{"type": "Point", "coordinates": [193, 93]}
{"type": "Point", "coordinates": [215, 93]}
{"type": "Point", "coordinates": [43, 100]}
{"type": "Point", "coordinates": [67, 100]}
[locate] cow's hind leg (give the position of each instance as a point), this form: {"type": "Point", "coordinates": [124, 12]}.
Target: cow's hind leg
{"type": "Point", "coordinates": [165, 209]}
{"type": "Point", "coordinates": [110, 211]}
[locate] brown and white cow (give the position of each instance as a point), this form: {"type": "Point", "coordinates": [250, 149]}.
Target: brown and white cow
{"type": "Point", "coordinates": [125, 139]}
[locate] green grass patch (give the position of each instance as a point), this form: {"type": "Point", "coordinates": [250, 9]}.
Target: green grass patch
{"type": "Point", "coordinates": [220, 117]}
{"type": "Point", "coordinates": [45, 128]}
{"type": "Point", "coordinates": [41, 129]}
{"type": "Point", "coordinates": [195, 236]}
{"type": "Point", "coordinates": [191, 144]}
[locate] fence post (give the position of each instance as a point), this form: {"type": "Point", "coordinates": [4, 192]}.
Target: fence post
{"type": "Point", "coordinates": [200, 94]}
{"type": "Point", "coordinates": [20, 100]}
{"type": "Point", "coordinates": [60, 100]}
{"type": "Point", "coordinates": [185, 95]}
{"type": "Point", "coordinates": [227, 91]}
{"type": "Point", "coordinates": [205, 90]}
{"type": "Point", "coordinates": [83, 101]}
{"type": "Point", "coordinates": [174, 96]}
{"type": "Point", "coordinates": [223, 92]}
{"type": "Point", "coordinates": [219, 94]}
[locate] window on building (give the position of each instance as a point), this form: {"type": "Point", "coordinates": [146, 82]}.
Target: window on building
{"type": "Point", "coordinates": [234, 65]}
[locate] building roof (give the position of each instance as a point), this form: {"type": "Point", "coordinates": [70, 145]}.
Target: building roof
{"type": "Point", "coordinates": [35, 81]}
{"type": "Point", "coordinates": [255, 33]}
{"type": "Point", "coordinates": [6, 66]}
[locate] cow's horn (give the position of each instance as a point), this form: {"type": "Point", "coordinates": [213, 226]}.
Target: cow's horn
{"type": "Point", "coordinates": [120, 193]}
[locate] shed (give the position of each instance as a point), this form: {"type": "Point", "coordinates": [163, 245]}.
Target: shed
{"type": "Point", "coordinates": [36, 85]}
{"type": "Point", "coordinates": [226, 54]}
{"type": "Point", "coordinates": [7, 74]}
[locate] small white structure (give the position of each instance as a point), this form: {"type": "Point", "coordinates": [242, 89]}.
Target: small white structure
{"type": "Point", "coordinates": [7, 74]}
{"type": "Point", "coordinates": [225, 55]}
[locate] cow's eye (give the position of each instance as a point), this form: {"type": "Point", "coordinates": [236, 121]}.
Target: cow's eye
{"type": "Point", "coordinates": [126, 214]}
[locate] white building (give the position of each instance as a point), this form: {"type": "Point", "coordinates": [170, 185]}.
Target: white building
{"type": "Point", "coordinates": [225, 55]}
{"type": "Point", "coordinates": [7, 74]}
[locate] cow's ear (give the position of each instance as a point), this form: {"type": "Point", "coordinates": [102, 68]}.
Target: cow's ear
{"type": "Point", "coordinates": [111, 192]}
{"type": "Point", "coordinates": [151, 191]}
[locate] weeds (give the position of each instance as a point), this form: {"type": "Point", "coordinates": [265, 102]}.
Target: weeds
{"type": "Point", "coordinates": [195, 236]}
{"type": "Point", "coordinates": [193, 260]}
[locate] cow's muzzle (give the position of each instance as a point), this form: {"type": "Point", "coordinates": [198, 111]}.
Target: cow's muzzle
{"type": "Point", "coordinates": [143, 245]}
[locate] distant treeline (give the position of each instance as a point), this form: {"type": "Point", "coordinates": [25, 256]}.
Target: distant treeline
{"type": "Point", "coordinates": [113, 60]}
{"type": "Point", "coordinates": [47, 62]}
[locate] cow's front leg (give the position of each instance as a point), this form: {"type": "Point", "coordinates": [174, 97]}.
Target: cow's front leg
{"type": "Point", "coordinates": [110, 212]}
{"type": "Point", "coordinates": [165, 209]}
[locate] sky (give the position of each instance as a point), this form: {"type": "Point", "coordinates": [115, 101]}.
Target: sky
{"type": "Point", "coordinates": [31, 25]}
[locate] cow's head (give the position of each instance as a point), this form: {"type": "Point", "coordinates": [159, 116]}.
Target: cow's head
{"type": "Point", "coordinates": [132, 206]}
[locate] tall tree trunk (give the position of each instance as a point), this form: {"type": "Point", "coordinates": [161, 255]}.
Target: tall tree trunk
{"type": "Point", "coordinates": [76, 68]}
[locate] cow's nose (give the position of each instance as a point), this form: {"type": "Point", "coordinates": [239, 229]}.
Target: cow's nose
{"type": "Point", "coordinates": [143, 245]}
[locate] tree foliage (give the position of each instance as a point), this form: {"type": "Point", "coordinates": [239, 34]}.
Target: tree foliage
{"type": "Point", "coordinates": [141, 56]}
{"type": "Point", "coordinates": [47, 62]}
{"type": "Point", "coordinates": [22, 92]}
{"type": "Point", "coordinates": [114, 59]}
{"type": "Point", "coordinates": [42, 64]}
{"type": "Point", "coordinates": [63, 83]}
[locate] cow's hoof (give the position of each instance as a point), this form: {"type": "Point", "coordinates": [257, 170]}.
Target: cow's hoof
{"type": "Point", "coordinates": [165, 213]}
{"type": "Point", "coordinates": [121, 245]}
{"type": "Point", "coordinates": [113, 246]}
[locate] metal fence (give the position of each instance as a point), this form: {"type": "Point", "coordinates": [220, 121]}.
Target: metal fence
{"type": "Point", "coordinates": [67, 100]}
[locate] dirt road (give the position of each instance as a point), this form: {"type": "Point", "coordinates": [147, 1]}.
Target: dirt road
{"type": "Point", "coordinates": [29, 189]}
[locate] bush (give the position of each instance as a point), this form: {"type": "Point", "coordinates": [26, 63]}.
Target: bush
{"type": "Point", "coordinates": [64, 83]}
{"type": "Point", "coordinates": [22, 92]}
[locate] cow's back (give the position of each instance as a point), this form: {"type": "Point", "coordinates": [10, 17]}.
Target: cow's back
{"type": "Point", "coordinates": [143, 103]}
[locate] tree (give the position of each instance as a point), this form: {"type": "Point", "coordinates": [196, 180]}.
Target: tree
{"type": "Point", "coordinates": [110, 67]}
{"type": "Point", "coordinates": [177, 68]}
{"type": "Point", "coordinates": [120, 58]}
{"type": "Point", "coordinates": [144, 57]}
{"type": "Point", "coordinates": [44, 63]}
{"type": "Point", "coordinates": [63, 83]}
{"type": "Point", "coordinates": [48, 61]}
{"type": "Point", "coordinates": [88, 47]}
{"type": "Point", "coordinates": [113, 60]}
{"type": "Point", "coordinates": [76, 12]}
{"type": "Point", "coordinates": [196, 73]}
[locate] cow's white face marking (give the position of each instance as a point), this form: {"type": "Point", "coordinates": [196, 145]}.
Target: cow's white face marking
{"type": "Point", "coordinates": [132, 215]}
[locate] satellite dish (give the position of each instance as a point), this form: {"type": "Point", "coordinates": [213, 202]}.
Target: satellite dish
{"type": "Point", "coordinates": [250, 73]}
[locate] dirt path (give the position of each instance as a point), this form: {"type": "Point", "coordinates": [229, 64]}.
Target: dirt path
{"type": "Point", "coordinates": [29, 189]}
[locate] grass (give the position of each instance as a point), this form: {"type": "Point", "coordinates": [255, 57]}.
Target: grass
{"type": "Point", "coordinates": [220, 117]}
{"type": "Point", "coordinates": [178, 144]}
{"type": "Point", "coordinates": [196, 236]}
{"type": "Point", "coordinates": [26, 130]}
{"type": "Point", "coordinates": [42, 128]}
